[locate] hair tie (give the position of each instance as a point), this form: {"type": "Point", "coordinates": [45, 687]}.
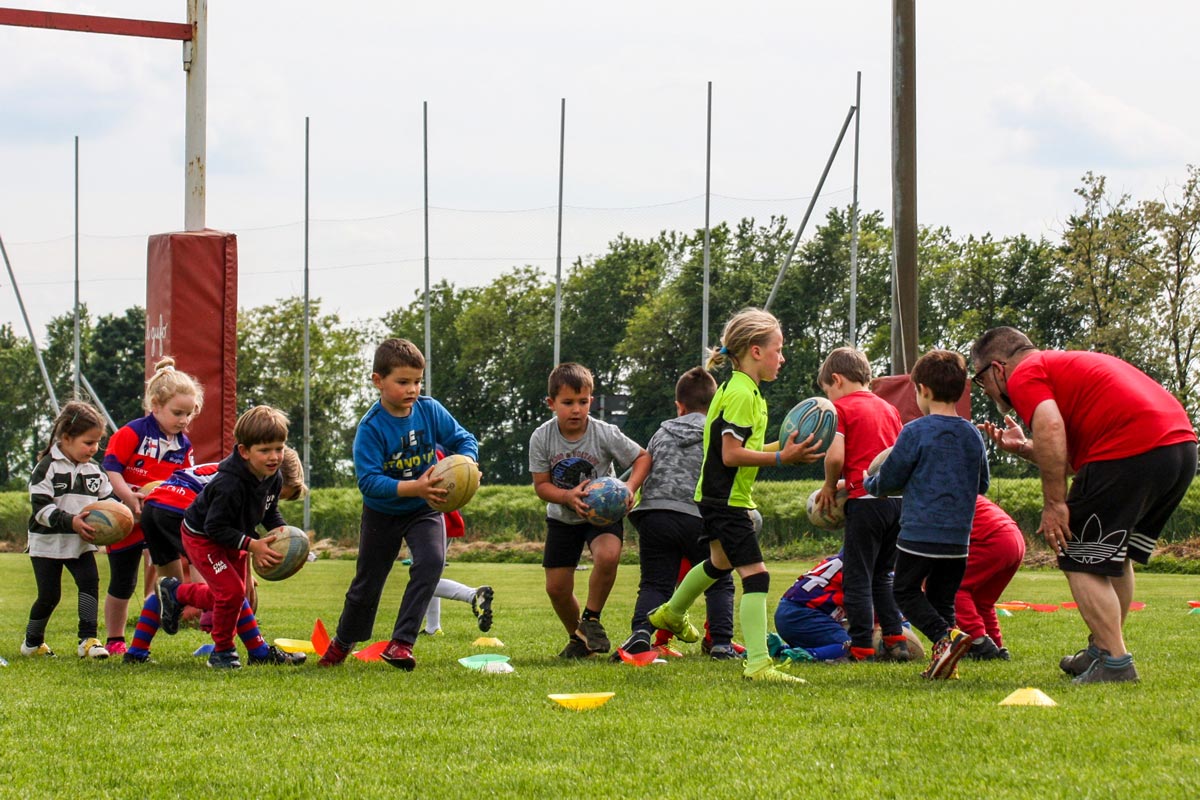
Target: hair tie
{"type": "Point", "coordinates": [723, 350]}
{"type": "Point", "coordinates": [167, 368]}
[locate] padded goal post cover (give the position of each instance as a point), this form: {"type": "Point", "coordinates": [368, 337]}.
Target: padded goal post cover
{"type": "Point", "coordinates": [900, 392]}
{"type": "Point", "coordinates": [191, 315]}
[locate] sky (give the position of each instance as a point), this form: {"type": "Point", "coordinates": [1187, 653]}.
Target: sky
{"type": "Point", "coordinates": [1016, 102]}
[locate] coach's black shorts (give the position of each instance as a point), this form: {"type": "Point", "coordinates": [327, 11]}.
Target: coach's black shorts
{"type": "Point", "coordinates": [733, 528]}
{"type": "Point", "coordinates": [1118, 508]}
{"type": "Point", "coordinates": [161, 530]}
{"type": "Point", "coordinates": [564, 543]}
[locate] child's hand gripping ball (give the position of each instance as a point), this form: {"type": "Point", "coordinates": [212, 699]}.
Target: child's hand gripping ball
{"type": "Point", "coordinates": [831, 518]}
{"type": "Point", "coordinates": [291, 543]}
{"type": "Point", "coordinates": [815, 416]}
{"type": "Point", "coordinates": [460, 479]}
{"type": "Point", "coordinates": [607, 500]}
{"type": "Point", "coordinates": [110, 520]}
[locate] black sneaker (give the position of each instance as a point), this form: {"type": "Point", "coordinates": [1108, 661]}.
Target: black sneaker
{"type": "Point", "coordinates": [135, 658]}
{"type": "Point", "coordinates": [575, 649]}
{"type": "Point", "coordinates": [481, 607]}
{"type": "Point", "coordinates": [169, 613]}
{"type": "Point", "coordinates": [638, 642]}
{"type": "Point", "coordinates": [1003, 654]}
{"type": "Point", "coordinates": [220, 659]}
{"type": "Point", "coordinates": [276, 656]}
{"type": "Point", "coordinates": [593, 635]}
{"type": "Point", "coordinates": [984, 650]}
{"type": "Point", "coordinates": [723, 652]}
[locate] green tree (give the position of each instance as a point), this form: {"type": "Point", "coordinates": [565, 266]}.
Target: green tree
{"type": "Point", "coordinates": [271, 371]}
{"type": "Point", "coordinates": [59, 353]}
{"type": "Point", "coordinates": [26, 409]}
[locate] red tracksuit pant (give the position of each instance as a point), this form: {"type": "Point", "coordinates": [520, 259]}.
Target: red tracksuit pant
{"type": "Point", "coordinates": [224, 571]}
{"type": "Point", "coordinates": [991, 564]}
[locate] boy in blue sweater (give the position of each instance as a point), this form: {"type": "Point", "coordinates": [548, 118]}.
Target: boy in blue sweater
{"type": "Point", "coordinates": [939, 464]}
{"type": "Point", "coordinates": [396, 444]}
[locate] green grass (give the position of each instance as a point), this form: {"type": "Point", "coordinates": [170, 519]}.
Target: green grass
{"type": "Point", "coordinates": [690, 728]}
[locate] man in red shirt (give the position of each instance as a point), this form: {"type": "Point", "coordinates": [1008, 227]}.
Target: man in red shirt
{"type": "Point", "coordinates": [1132, 450]}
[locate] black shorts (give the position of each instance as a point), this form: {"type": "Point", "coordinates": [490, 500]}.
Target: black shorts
{"type": "Point", "coordinates": [564, 543]}
{"type": "Point", "coordinates": [1118, 508]}
{"type": "Point", "coordinates": [160, 527]}
{"type": "Point", "coordinates": [733, 528]}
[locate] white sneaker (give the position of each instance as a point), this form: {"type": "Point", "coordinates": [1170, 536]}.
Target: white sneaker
{"type": "Point", "coordinates": [42, 649]}
{"type": "Point", "coordinates": [91, 648]}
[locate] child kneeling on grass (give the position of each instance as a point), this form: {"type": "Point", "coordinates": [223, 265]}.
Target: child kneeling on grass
{"type": "Point", "coordinates": [220, 532]}
{"type": "Point", "coordinates": [395, 446]}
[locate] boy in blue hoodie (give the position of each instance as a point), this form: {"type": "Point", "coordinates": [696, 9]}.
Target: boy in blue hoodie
{"type": "Point", "coordinates": [668, 521]}
{"type": "Point", "coordinates": [940, 465]}
{"type": "Point", "coordinates": [394, 448]}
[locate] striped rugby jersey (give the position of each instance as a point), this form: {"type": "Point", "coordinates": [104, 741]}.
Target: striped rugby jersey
{"type": "Point", "coordinates": [59, 488]}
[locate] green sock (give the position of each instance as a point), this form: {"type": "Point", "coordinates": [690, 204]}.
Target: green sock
{"type": "Point", "coordinates": [692, 586]}
{"type": "Point", "coordinates": [753, 615]}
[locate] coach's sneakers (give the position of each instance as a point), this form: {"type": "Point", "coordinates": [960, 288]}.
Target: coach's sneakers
{"type": "Point", "coordinates": [769, 674]}
{"type": "Point", "coordinates": [399, 654]}
{"type": "Point", "coordinates": [335, 653]}
{"type": "Point", "coordinates": [679, 624]}
{"type": "Point", "coordinates": [1082, 661]}
{"type": "Point", "coordinates": [946, 653]}
{"type": "Point", "coordinates": [168, 615]}
{"type": "Point", "coordinates": [42, 649]}
{"type": "Point", "coordinates": [91, 648]}
{"type": "Point", "coordinates": [221, 659]}
{"type": "Point", "coordinates": [276, 656]}
{"type": "Point", "coordinates": [576, 648]}
{"type": "Point", "coordinates": [593, 635]}
{"type": "Point", "coordinates": [638, 642]}
{"type": "Point", "coordinates": [481, 607]}
{"type": "Point", "coordinates": [1107, 669]}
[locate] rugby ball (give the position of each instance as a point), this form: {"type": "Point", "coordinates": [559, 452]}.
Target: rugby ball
{"type": "Point", "coordinates": [815, 416]}
{"type": "Point", "coordinates": [291, 543]}
{"type": "Point", "coordinates": [111, 520]}
{"type": "Point", "coordinates": [877, 461]}
{"type": "Point", "coordinates": [756, 519]}
{"type": "Point", "coordinates": [607, 500]}
{"type": "Point", "coordinates": [916, 650]}
{"type": "Point", "coordinates": [460, 479]}
{"type": "Point", "coordinates": [831, 518]}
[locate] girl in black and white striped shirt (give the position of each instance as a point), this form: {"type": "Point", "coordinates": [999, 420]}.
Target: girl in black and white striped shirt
{"type": "Point", "coordinates": [64, 481]}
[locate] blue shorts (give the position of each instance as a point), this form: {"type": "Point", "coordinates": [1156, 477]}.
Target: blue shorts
{"type": "Point", "coordinates": [801, 626]}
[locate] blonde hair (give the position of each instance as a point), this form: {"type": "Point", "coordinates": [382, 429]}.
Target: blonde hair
{"type": "Point", "coordinates": [292, 472]}
{"type": "Point", "coordinates": [75, 419]}
{"type": "Point", "coordinates": [261, 425]}
{"type": "Point", "coordinates": [745, 329]}
{"type": "Point", "coordinates": [166, 382]}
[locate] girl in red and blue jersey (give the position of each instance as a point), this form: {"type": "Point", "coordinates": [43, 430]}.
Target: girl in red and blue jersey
{"type": "Point", "coordinates": [148, 449]}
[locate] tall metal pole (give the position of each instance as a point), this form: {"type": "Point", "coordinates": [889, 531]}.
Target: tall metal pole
{"type": "Point", "coordinates": [707, 229]}
{"type": "Point", "coordinates": [428, 334]}
{"type": "Point", "coordinates": [854, 217]}
{"type": "Point", "coordinates": [562, 144]}
{"type": "Point", "coordinates": [307, 351]}
{"type": "Point", "coordinates": [77, 369]}
{"type": "Point", "coordinates": [195, 62]}
{"type": "Point", "coordinates": [37, 352]}
{"type": "Point", "coordinates": [811, 203]}
{"type": "Point", "coordinates": [904, 186]}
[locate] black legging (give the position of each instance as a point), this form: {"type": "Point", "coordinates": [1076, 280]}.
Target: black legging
{"type": "Point", "coordinates": [47, 572]}
{"type": "Point", "coordinates": [123, 572]}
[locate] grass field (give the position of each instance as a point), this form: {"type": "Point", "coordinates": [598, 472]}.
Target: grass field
{"type": "Point", "coordinates": [690, 728]}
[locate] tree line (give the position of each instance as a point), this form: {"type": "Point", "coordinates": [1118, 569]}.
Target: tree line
{"type": "Point", "coordinates": [1122, 277]}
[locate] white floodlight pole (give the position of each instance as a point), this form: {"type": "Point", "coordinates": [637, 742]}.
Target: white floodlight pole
{"type": "Point", "coordinates": [78, 369]}
{"type": "Point", "coordinates": [562, 144]}
{"type": "Point", "coordinates": [707, 228]}
{"type": "Point", "coordinates": [428, 331]}
{"type": "Point", "coordinates": [854, 218]}
{"type": "Point", "coordinates": [307, 350]}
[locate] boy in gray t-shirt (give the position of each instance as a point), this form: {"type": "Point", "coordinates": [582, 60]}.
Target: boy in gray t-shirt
{"type": "Point", "coordinates": [564, 453]}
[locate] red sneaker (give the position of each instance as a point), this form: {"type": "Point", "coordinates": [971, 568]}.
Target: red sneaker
{"type": "Point", "coordinates": [334, 654]}
{"type": "Point", "coordinates": [399, 654]}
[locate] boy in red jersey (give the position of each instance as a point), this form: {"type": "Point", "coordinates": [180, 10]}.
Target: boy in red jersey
{"type": "Point", "coordinates": [1133, 451]}
{"type": "Point", "coordinates": [866, 425]}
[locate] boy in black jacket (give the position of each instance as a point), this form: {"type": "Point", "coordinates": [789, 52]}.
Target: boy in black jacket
{"type": "Point", "coordinates": [220, 531]}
